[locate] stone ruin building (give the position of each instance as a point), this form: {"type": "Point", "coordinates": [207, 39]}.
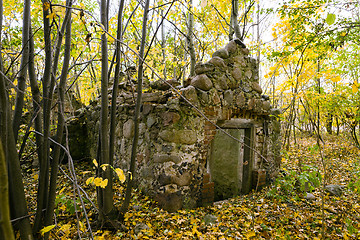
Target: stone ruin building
{"type": "Point", "coordinates": [183, 159]}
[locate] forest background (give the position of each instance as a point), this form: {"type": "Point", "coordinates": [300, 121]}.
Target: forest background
{"type": "Point", "coordinates": [307, 52]}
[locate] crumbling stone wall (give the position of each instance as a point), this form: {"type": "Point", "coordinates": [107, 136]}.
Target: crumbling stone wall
{"type": "Point", "coordinates": [175, 140]}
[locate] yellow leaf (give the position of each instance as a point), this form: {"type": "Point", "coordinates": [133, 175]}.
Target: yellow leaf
{"type": "Point", "coordinates": [120, 174]}
{"type": "Point", "coordinates": [104, 166]}
{"type": "Point", "coordinates": [51, 15]}
{"type": "Point", "coordinates": [65, 227]}
{"type": "Point", "coordinates": [354, 88]}
{"type": "Point", "coordinates": [250, 234]}
{"type": "Point", "coordinates": [82, 226]}
{"type": "Point", "coordinates": [89, 180]}
{"type": "Point", "coordinates": [97, 181]}
{"type": "Point", "coordinates": [46, 6]}
{"type": "Point", "coordinates": [104, 183]}
{"type": "Point", "coordinates": [36, 177]}
{"type": "Point", "coordinates": [95, 163]}
{"type": "Point", "coordinates": [46, 229]}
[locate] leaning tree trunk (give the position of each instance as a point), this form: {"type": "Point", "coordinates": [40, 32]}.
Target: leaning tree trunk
{"type": "Point", "coordinates": [16, 186]}
{"type": "Point", "coordinates": [131, 175]}
{"type": "Point", "coordinates": [6, 230]}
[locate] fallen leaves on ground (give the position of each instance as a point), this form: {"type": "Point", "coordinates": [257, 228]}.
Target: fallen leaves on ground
{"type": "Point", "coordinates": [279, 211]}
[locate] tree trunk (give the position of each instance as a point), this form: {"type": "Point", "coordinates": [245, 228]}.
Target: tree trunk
{"type": "Point", "coordinates": [61, 120]}
{"type": "Point", "coordinates": [131, 175]}
{"type": "Point", "coordinates": [23, 69]}
{"type": "Point", "coordinates": [6, 230]}
{"type": "Point", "coordinates": [105, 198]}
{"type": "Point", "coordinates": [116, 83]}
{"type": "Point", "coordinates": [16, 186]}
{"type": "Point", "coordinates": [35, 93]}
{"type": "Point", "coordinates": [235, 14]}
{"type": "Point", "coordinates": [190, 40]}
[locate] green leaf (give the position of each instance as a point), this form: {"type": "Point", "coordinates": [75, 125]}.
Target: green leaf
{"type": "Point", "coordinates": [330, 19]}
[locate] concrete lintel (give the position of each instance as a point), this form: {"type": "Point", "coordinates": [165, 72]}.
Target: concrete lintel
{"type": "Point", "coordinates": [238, 123]}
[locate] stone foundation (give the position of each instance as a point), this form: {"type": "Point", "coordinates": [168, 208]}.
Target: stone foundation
{"type": "Point", "coordinates": [176, 162]}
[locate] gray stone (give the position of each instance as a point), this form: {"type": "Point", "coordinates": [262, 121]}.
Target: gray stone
{"type": "Point", "coordinates": [147, 108]}
{"type": "Point", "coordinates": [237, 74]}
{"type": "Point", "coordinates": [167, 148]}
{"type": "Point", "coordinates": [310, 196]}
{"type": "Point", "coordinates": [190, 94]}
{"type": "Point", "coordinates": [128, 128]}
{"type": "Point", "coordinates": [169, 118]}
{"type": "Point", "coordinates": [222, 53]}
{"type": "Point", "coordinates": [246, 87]}
{"type": "Point", "coordinates": [245, 51]}
{"type": "Point", "coordinates": [183, 180]}
{"type": "Point", "coordinates": [266, 105]}
{"type": "Point", "coordinates": [220, 83]}
{"type": "Point", "coordinates": [140, 227]}
{"type": "Point", "coordinates": [231, 47]}
{"type": "Point", "coordinates": [240, 100]}
{"type": "Point", "coordinates": [218, 62]}
{"type": "Point", "coordinates": [229, 97]}
{"type": "Point", "coordinates": [173, 104]}
{"type": "Point", "coordinates": [214, 97]}
{"type": "Point", "coordinates": [179, 136]}
{"type": "Point", "coordinates": [335, 190]}
{"type": "Point", "coordinates": [142, 128]}
{"type": "Point", "coordinates": [201, 68]}
{"type": "Point", "coordinates": [162, 158]}
{"type": "Point", "coordinates": [150, 121]}
{"type": "Point", "coordinates": [210, 219]}
{"type": "Point", "coordinates": [202, 82]}
{"type": "Point", "coordinates": [248, 74]}
{"type": "Point", "coordinates": [240, 61]}
{"type": "Point", "coordinates": [203, 96]}
{"type": "Point", "coordinates": [256, 87]}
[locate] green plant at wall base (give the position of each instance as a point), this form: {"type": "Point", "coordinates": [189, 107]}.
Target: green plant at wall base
{"type": "Point", "coordinates": [290, 182]}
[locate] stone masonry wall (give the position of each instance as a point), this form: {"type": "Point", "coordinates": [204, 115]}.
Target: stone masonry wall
{"type": "Point", "coordinates": [175, 140]}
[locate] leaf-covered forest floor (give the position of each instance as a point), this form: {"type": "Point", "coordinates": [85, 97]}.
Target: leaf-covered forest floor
{"type": "Point", "coordinates": [278, 211]}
